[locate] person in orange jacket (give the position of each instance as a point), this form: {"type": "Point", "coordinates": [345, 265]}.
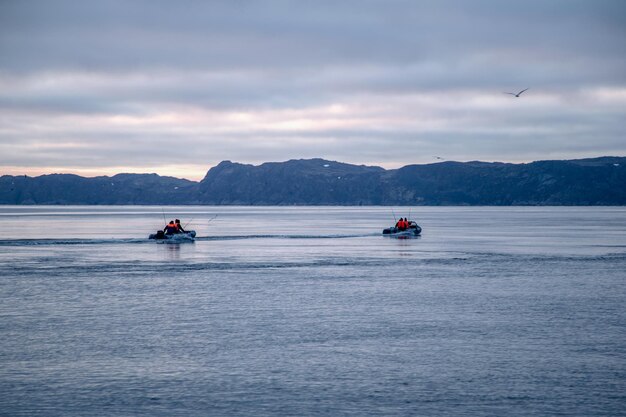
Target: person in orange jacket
{"type": "Point", "coordinates": [170, 228]}
{"type": "Point", "coordinates": [179, 227]}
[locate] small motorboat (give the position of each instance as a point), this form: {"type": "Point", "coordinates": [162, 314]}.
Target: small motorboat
{"type": "Point", "coordinates": [160, 236]}
{"type": "Point", "coordinates": [412, 231]}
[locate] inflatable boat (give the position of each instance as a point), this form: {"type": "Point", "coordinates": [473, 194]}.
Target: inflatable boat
{"type": "Point", "coordinates": [413, 231]}
{"type": "Point", "coordinates": [188, 236]}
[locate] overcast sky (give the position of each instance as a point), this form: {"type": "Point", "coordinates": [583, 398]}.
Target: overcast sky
{"type": "Point", "coordinates": [97, 88]}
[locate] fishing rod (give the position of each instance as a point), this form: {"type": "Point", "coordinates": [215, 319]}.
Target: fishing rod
{"type": "Point", "coordinates": [394, 216]}
{"type": "Point", "coordinates": [212, 218]}
{"type": "Point", "coordinates": [185, 226]}
{"type": "Point", "coordinates": [163, 211]}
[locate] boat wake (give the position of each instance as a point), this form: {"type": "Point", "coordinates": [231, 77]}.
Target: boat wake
{"type": "Point", "coordinates": [72, 241]}
{"type": "Point", "coordinates": [286, 236]}
{"type": "Point", "coordinates": [113, 241]}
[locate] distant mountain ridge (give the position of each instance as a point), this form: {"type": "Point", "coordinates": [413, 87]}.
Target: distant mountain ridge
{"type": "Point", "coordinates": [594, 181]}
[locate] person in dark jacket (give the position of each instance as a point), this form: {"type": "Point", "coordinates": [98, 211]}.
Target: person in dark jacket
{"type": "Point", "coordinates": [179, 227]}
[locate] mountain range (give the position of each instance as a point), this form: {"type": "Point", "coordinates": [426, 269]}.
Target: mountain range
{"type": "Point", "coordinates": [595, 181]}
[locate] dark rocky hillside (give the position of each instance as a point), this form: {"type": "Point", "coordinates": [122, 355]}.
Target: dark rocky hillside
{"type": "Point", "coordinates": [313, 181]}
{"type": "Point", "coordinates": [597, 181]}
{"type": "Point", "coordinates": [73, 189]}
{"type": "Point", "coordinates": [600, 181]}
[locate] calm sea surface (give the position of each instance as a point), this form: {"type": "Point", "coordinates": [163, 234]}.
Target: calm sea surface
{"type": "Point", "coordinates": [310, 311]}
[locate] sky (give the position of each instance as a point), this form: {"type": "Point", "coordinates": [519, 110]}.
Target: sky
{"type": "Point", "coordinates": [99, 88]}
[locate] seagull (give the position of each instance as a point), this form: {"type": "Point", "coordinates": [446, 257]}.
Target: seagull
{"type": "Point", "coordinates": [438, 157]}
{"type": "Point", "coordinates": [518, 94]}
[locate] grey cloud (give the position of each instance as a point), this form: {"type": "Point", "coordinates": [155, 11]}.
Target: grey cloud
{"type": "Point", "coordinates": [137, 35]}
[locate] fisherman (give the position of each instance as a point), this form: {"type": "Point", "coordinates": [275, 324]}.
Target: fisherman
{"type": "Point", "coordinates": [179, 227]}
{"type": "Point", "coordinates": [170, 228]}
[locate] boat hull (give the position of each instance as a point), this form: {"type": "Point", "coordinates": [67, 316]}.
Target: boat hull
{"type": "Point", "coordinates": [189, 236]}
{"type": "Point", "coordinates": [413, 231]}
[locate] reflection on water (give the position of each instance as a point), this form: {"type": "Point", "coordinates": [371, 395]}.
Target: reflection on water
{"type": "Point", "coordinates": [172, 250]}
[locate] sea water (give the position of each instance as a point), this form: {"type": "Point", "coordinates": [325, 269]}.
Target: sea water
{"type": "Point", "coordinates": [310, 311]}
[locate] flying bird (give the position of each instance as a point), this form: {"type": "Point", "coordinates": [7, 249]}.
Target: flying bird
{"type": "Point", "coordinates": [438, 157]}
{"type": "Point", "coordinates": [518, 94]}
